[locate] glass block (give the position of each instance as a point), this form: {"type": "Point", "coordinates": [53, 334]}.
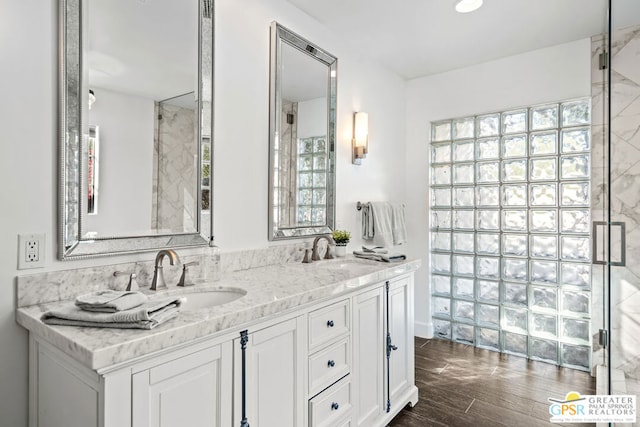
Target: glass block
{"type": "Point", "coordinates": [515, 343]}
{"type": "Point", "coordinates": [488, 220]}
{"type": "Point", "coordinates": [441, 175]}
{"type": "Point", "coordinates": [441, 306]}
{"type": "Point", "coordinates": [574, 248]}
{"type": "Point", "coordinates": [463, 128]}
{"type": "Point", "coordinates": [487, 196]}
{"type": "Point", "coordinates": [515, 294]}
{"type": "Point", "coordinates": [304, 197]}
{"type": "Point", "coordinates": [441, 197]}
{"type": "Point", "coordinates": [305, 146]}
{"type": "Point", "coordinates": [575, 329]}
{"type": "Point", "coordinates": [514, 319]}
{"type": "Point", "coordinates": [440, 153]}
{"type": "Point", "coordinates": [488, 268]}
{"type": "Point", "coordinates": [514, 244]}
{"type": "Point", "coordinates": [514, 195]}
{"type": "Point", "coordinates": [304, 215]}
{"type": "Point", "coordinates": [576, 112]}
{"type": "Point", "coordinates": [544, 325]}
{"type": "Point", "coordinates": [488, 148]}
{"type": "Point", "coordinates": [514, 269]}
{"type": "Point", "coordinates": [544, 246]}
{"type": "Point", "coordinates": [463, 265]}
{"type": "Point", "coordinates": [544, 117]}
{"type": "Point", "coordinates": [441, 131]}
{"type": "Point", "coordinates": [442, 328]}
{"type": "Point", "coordinates": [488, 125]}
{"type": "Point", "coordinates": [574, 193]}
{"type": "Point", "coordinates": [514, 121]}
{"type": "Point", "coordinates": [463, 333]}
{"type": "Point", "coordinates": [543, 143]}
{"type": "Point", "coordinates": [463, 219]}
{"type": "Point", "coordinates": [543, 298]}
{"type": "Point", "coordinates": [575, 140]}
{"type": "Point", "coordinates": [514, 146]}
{"type": "Point", "coordinates": [574, 167]}
{"type": "Point", "coordinates": [463, 310]}
{"type": "Point", "coordinates": [574, 221]}
{"type": "Point", "coordinates": [463, 242]}
{"type": "Point", "coordinates": [543, 220]}
{"type": "Point", "coordinates": [305, 163]}
{"type": "Point", "coordinates": [488, 172]}
{"type": "Point", "coordinates": [488, 338]}
{"type": "Point", "coordinates": [441, 263]}
{"type": "Point", "coordinates": [319, 145]}
{"type": "Point", "coordinates": [441, 241]}
{"type": "Point", "coordinates": [305, 180]}
{"type": "Point", "coordinates": [575, 301]}
{"type": "Point", "coordinates": [514, 220]}
{"type": "Point", "coordinates": [440, 219]}
{"type": "Point", "coordinates": [488, 290]}
{"type": "Point", "coordinates": [488, 315]}
{"type": "Point", "coordinates": [544, 350]}
{"type": "Point", "coordinates": [320, 162]}
{"type": "Point", "coordinates": [543, 169]}
{"type": "Point", "coordinates": [575, 274]}
{"type": "Point", "coordinates": [543, 194]}
{"type": "Point", "coordinates": [463, 288]}
{"type": "Point", "coordinates": [464, 151]}
{"type": "Point", "coordinates": [544, 272]}
{"type": "Point", "coordinates": [575, 356]}
{"type": "Point", "coordinates": [514, 170]}
{"type": "Point", "coordinates": [318, 215]}
{"type": "Point", "coordinates": [320, 179]}
{"type": "Point", "coordinates": [487, 243]}
{"type": "Point", "coordinates": [464, 197]}
{"type": "Point", "coordinates": [319, 197]}
{"type": "Point", "coordinates": [441, 285]}
{"type": "Point", "coordinates": [463, 174]}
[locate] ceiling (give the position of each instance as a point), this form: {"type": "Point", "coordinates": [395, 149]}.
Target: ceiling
{"type": "Point", "coordinates": [416, 38]}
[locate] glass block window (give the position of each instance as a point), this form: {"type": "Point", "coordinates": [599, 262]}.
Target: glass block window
{"type": "Point", "coordinates": [205, 170]}
{"type": "Point", "coordinates": [311, 204]}
{"type": "Point", "coordinates": [510, 243]}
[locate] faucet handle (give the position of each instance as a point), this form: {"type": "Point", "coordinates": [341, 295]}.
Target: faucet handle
{"type": "Point", "coordinates": [133, 284]}
{"type": "Point", "coordinates": [183, 277]}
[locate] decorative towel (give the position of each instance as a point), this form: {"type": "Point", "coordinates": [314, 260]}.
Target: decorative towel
{"type": "Point", "coordinates": [398, 226]}
{"type": "Point", "coordinates": [380, 257]}
{"type": "Point", "coordinates": [146, 316]}
{"type": "Point", "coordinates": [110, 301]}
{"type": "Point", "coordinates": [384, 223]}
{"type": "Point", "coordinates": [374, 249]}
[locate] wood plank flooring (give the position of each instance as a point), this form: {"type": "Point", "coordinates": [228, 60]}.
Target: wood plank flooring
{"type": "Point", "coordinates": [461, 385]}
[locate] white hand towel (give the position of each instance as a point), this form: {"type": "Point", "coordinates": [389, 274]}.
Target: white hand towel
{"type": "Point", "coordinates": [382, 225]}
{"type": "Point", "coordinates": [398, 225]}
{"type": "Point", "coordinates": [109, 301]}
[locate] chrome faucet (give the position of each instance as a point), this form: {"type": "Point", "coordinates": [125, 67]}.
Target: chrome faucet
{"type": "Point", "coordinates": [315, 256]}
{"type": "Point", "coordinates": [158, 276]}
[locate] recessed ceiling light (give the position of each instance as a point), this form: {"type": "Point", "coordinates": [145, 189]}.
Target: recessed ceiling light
{"type": "Point", "coordinates": [466, 6]}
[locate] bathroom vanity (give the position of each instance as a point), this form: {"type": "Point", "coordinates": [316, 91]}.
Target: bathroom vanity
{"type": "Point", "coordinates": [322, 344]}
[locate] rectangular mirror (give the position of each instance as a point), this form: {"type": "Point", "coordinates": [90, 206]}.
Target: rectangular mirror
{"type": "Point", "coordinates": [302, 117]}
{"type": "Point", "coordinates": [135, 125]}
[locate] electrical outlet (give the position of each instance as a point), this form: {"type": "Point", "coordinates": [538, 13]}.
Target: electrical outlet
{"type": "Point", "coordinates": [30, 251]}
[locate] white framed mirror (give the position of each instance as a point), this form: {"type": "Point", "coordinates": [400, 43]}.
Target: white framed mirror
{"type": "Point", "coordinates": [302, 118]}
{"type": "Point", "coordinates": [135, 126]}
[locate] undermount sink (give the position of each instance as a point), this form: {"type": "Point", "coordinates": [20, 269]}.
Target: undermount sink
{"type": "Point", "coordinates": [198, 300]}
{"type": "Point", "coordinates": [339, 263]}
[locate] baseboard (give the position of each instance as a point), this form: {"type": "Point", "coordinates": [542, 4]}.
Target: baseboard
{"type": "Point", "coordinates": [423, 329]}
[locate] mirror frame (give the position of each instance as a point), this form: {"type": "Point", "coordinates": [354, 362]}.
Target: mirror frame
{"type": "Point", "coordinates": [281, 34]}
{"type": "Point", "coordinates": [71, 146]}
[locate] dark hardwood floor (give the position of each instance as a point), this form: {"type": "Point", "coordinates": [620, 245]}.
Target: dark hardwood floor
{"type": "Point", "coordinates": [461, 385]}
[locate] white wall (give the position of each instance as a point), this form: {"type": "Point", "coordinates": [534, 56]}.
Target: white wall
{"type": "Point", "coordinates": [552, 74]}
{"type": "Point", "coordinates": [126, 125]}
{"type": "Point", "coordinates": [312, 118]}
{"type": "Point", "coordinates": [28, 114]}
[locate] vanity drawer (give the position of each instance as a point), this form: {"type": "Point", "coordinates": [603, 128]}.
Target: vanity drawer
{"type": "Point", "coordinates": [329, 365]}
{"type": "Point", "coordinates": [328, 323]}
{"type": "Point", "coordinates": [332, 406]}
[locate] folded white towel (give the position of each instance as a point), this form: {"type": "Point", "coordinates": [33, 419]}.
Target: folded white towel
{"type": "Point", "coordinates": [374, 249]}
{"type": "Point", "coordinates": [146, 316]}
{"type": "Point", "coordinates": [395, 257]}
{"type": "Point", "coordinates": [109, 301]}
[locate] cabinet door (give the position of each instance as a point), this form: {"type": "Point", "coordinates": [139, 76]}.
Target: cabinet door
{"type": "Point", "coordinates": [274, 386]}
{"type": "Point", "coordinates": [401, 331]}
{"type": "Point", "coordinates": [368, 356]}
{"type": "Point", "coordinates": [193, 391]}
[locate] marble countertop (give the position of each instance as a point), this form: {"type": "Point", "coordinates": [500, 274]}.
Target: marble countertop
{"type": "Point", "coordinates": [270, 290]}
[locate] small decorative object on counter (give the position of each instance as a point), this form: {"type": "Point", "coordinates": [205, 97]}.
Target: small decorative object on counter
{"type": "Point", "coordinates": [341, 237]}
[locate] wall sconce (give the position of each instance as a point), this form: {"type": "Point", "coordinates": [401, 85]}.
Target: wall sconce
{"type": "Point", "coordinates": [360, 141]}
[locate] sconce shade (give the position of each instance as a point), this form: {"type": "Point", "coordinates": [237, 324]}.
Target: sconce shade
{"type": "Point", "coordinates": [360, 143]}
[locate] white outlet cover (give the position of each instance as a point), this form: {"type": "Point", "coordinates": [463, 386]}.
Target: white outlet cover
{"type": "Point", "coordinates": [23, 264]}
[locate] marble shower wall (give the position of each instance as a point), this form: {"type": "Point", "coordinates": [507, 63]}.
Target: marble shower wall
{"type": "Point", "coordinates": [625, 193]}
{"type": "Point", "coordinates": [175, 169]}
